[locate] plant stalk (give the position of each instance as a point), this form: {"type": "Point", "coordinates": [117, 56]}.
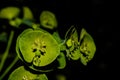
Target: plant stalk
{"type": "Point", "coordinates": [5, 54]}
{"type": "Point", "coordinates": [9, 67]}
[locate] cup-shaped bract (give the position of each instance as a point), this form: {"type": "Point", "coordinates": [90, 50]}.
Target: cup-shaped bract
{"type": "Point", "coordinates": [87, 47]}
{"type": "Point", "coordinates": [27, 13]}
{"type": "Point", "coordinates": [9, 12]}
{"type": "Point", "coordinates": [12, 14]}
{"type": "Point", "coordinates": [72, 44]}
{"type": "Point", "coordinates": [37, 47]}
{"type": "Point", "coordinates": [48, 20]}
{"type": "Point", "coordinates": [22, 74]}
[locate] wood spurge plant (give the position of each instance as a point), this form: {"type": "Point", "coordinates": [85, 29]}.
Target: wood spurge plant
{"type": "Point", "coordinates": [38, 48]}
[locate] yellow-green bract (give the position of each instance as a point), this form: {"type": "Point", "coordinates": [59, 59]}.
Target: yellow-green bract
{"type": "Point", "coordinates": [12, 14]}
{"type": "Point", "coordinates": [22, 74]}
{"type": "Point", "coordinates": [72, 44]}
{"type": "Point", "coordinates": [27, 13]}
{"type": "Point", "coordinates": [87, 47]}
{"type": "Point", "coordinates": [37, 47]}
{"type": "Point", "coordinates": [84, 49]}
{"type": "Point", "coordinates": [48, 20]}
{"type": "Point", "coordinates": [9, 12]}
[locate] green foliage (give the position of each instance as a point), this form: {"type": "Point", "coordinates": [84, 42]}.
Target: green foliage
{"type": "Point", "coordinates": [38, 48]}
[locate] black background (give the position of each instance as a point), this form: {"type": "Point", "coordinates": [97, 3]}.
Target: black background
{"type": "Point", "coordinates": [97, 17]}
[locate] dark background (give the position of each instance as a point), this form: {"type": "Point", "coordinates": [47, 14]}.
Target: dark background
{"type": "Point", "coordinates": [97, 17]}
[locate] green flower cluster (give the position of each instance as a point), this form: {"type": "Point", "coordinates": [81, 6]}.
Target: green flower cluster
{"type": "Point", "coordinates": [38, 48]}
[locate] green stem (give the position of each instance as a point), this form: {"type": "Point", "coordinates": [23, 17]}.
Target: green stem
{"type": "Point", "coordinates": [9, 68]}
{"type": "Point", "coordinates": [5, 54]}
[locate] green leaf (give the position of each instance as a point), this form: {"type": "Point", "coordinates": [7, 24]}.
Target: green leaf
{"type": "Point", "coordinates": [87, 47]}
{"type": "Point", "coordinates": [57, 37]}
{"type": "Point", "coordinates": [61, 61]}
{"type": "Point", "coordinates": [38, 47]}
{"type": "Point", "coordinates": [22, 74]}
{"type": "Point", "coordinates": [48, 20]}
{"type": "Point", "coordinates": [60, 41]}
